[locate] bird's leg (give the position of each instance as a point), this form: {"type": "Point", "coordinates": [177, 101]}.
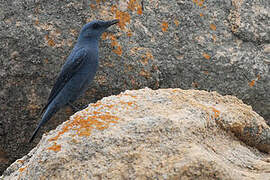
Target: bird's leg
{"type": "Point", "coordinates": [84, 106]}
{"type": "Point", "coordinates": [74, 108]}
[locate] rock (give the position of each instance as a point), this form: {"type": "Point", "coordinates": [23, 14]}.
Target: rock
{"type": "Point", "coordinates": [147, 134]}
{"type": "Point", "coordinates": [208, 45]}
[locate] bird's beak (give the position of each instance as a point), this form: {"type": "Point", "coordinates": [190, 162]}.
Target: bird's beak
{"type": "Point", "coordinates": [112, 22]}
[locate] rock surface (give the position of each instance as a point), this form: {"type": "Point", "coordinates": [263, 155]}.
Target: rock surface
{"type": "Point", "coordinates": [162, 134]}
{"type": "Point", "coordinates": [221, 46]}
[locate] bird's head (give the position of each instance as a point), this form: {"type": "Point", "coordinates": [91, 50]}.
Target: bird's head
{"type": "Point", "coordinates": [95, 28]}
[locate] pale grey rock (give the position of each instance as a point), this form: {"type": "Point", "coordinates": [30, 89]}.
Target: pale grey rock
{"type": "Point", "coordinates": [146, 134]}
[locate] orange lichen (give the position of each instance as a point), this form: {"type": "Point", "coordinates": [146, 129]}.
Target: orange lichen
{"type": "Point", "coordinates": [46, 61]}
{"type": "Point", "coordinates": [97, 104]}
{"type": "Point", "coordinates": [164, 26]}
{"type": "Point", "coordinates": [114, 43]}
{"type": "Point", "coordinates": [20, 161]}
{"type": "Point", "coordinates": [101, 79]}
{"type": "Point", "coordinates": [123, 17]}
{"type": "Point", "coordinates": [145, 74]}
{"type": "Point", "coordinates": [33, 107]}
{"type": "Point", "coordinates": [144, 61]}
{"type": "Point", "coordinates": [36, 22]}
{"type": "Point", "coordinates": [149, 55]}
{"type": "Point", "coordinates": [213, 27]}
{"type": "Point", "coordinates": [132, 5]}
{"type": "Point", "coordinates": [93, 6]}
{"type": "Point", "coordinates": [130, 96]}
{"type": "Point", "coordinates": [206, 56]}
{"type": "Point", "coordinates": [129, 67]}
{"type": "Point", "coordinates": [104, 36]}
{"type": "Point", "coordinates": [214, 38]}
{"type": "Point", "coordinates": [22, 169]}
{"type": "Point", "coordinates": [216, 112]}
{"type": "Point", "coordinates": [128, 103]}
{"type": "Point", "coordinates": [50, 42]}
{"type": "Point", "coordinates": [73, 32]}
{"type": "Point", "coordinates": [85, 123]}
{"type": "Point", "coordinates": [118, 51]}
{"type": "Point", "coordinates": [84, 127]}
{"type": "Point", "coordinates": [113, 38]}
{"type": "Point", "coordinates": [69, 42]}
{"type": "Point", "coordinates": [129, 33]}
{"type": "Point", "coordinates": [55, 147]}
{"type": "Point", "coordinates": [175, 90]}
{"type": "Point", "coordinates": [252, 83]}
{"type": "Point", "coordinates": [113, 9]}
{"type": "Point", "coordinates": [139, 10]}
{"type": "Point", "coordinates": [176, 22]}
{"type": "Point", "coordinates": [199, 2]}
{"type": "Point", "coordinates": [117, 48]}
{"type": "Point", "coordinates": [146, 58]}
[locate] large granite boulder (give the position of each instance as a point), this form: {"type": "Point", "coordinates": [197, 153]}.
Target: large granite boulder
{"type": "Point", "coordinates": [146, 134]}
{"type": "Point", "coordinates": [210, 45]}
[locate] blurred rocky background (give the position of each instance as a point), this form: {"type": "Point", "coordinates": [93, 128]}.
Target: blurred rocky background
{"type": "Point", "coordinates": [221, 46]}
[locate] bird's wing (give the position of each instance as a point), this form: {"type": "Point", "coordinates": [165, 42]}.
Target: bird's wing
{"type": "Point", "coordinates": [72, 65]}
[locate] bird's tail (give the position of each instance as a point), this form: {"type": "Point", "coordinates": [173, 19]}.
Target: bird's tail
{"type": "Point", "coordinates": [50, 111]}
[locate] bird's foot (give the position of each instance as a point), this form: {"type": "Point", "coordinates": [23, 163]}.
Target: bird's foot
{"type": "Point", "coordinates": [75, 108]}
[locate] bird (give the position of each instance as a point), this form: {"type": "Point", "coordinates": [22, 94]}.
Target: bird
{"type": "Point", "coordinates": [77, 72]}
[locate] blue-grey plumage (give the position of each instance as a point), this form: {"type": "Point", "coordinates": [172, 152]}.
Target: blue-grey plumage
{"type": "Point", "coordinates": [77, 72]}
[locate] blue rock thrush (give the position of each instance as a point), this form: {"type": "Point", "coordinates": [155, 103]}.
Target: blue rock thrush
{"type": "Point", "coordinates": [77, 72]}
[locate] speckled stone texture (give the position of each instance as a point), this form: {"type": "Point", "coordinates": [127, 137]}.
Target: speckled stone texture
{"type": "Point", "coordinates": [209, 45]}
{"type": "Point", "coordinates": [162, 134]}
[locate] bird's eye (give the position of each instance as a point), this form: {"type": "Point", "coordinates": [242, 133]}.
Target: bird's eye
{"type": "Point", "coordinates": [96, 25]}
